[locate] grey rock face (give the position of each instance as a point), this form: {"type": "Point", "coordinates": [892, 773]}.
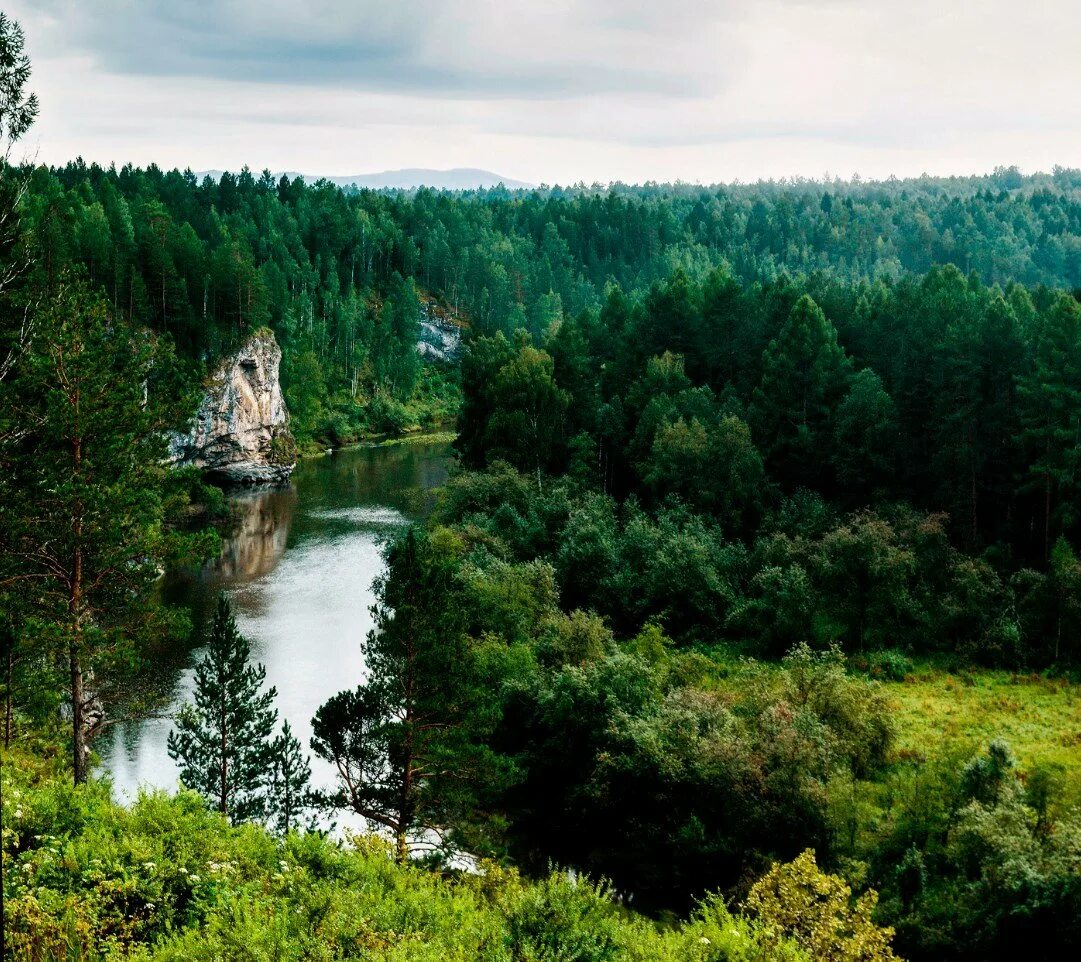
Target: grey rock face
{"type": "Point", "coordinates": [240, 433]}
{"type": "Point", "coordinates": [439, 338]}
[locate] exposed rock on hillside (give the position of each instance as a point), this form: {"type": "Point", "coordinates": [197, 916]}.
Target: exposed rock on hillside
{"type": "Point", "coordinates": [240, 433]}
{"type": "Point", "coordinates": [440, 333]}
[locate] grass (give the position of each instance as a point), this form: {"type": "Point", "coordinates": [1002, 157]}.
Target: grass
{"type": "Point", "coordinates": [938, 711]}
{"type": "Point", "coordinates": [420, 436]}
{"type": "Point", "coordinates": [1039, 717]}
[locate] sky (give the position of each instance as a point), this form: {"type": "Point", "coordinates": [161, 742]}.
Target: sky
{"type": "Point", "coordinates": [559, 91]}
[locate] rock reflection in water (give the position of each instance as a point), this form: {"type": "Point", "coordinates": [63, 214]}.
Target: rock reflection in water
{"type": "Point", "coordinates": [253, 548]}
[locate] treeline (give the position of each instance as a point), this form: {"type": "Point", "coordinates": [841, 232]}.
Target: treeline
{"type": "Point", "coordinates": [335, 273]}
{"type": "Point", "coordinates": [1004, 226]}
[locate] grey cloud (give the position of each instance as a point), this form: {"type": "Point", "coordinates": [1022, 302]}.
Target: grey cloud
{"type": "Point", "coordinates": [442, 48]}
{"type": "Point", "coordinates": [539, 87]}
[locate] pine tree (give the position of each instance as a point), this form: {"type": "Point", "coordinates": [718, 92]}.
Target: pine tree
{"type": "Point", "coordinates": [18, 108]}
{"type": "Point", "coordinates": [865, 436]}
{"type": "Point", "coordinates": [805, 373]}
{"type": "Point", "coordinates": [403, 743]}
{"type": "Point", "coordinates": [223, 740]}
{"type": "Point", "coordinates": [290, 798]}
{"type": "Point", "coordinates": [1050, 396]}
{"type": "Point", "coordinates": [85, 525]}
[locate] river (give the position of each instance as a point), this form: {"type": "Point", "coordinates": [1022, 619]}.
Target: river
{"type": "Point", "coordinates": [299, 569]}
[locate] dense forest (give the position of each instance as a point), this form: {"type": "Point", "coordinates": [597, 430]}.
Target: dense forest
{"type": "Point", "coordinates": [337, 274]}
{"type": "Point", "coordinates": [754, 486]}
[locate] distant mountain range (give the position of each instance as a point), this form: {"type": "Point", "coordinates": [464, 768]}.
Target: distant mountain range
{"type": "Point", "coordinates": [457, 178]}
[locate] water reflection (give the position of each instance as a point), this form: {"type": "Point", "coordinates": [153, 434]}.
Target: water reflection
{"type": "Point", "coordinates": [263, 523]}
{"type": "Point", "coordinates": [299, 569]}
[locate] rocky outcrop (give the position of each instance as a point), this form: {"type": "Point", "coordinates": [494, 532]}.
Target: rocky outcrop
{"type": "Point", "coordinates": [440, 336]}
{"type": "Point", "coordinates": [240, 434]}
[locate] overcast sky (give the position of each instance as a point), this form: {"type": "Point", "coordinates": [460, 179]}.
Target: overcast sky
{"type": "Point", "coordinates": [560, 90]}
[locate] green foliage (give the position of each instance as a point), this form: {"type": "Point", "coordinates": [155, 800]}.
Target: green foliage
{"type": "Point", "coordinates": [517, 411]}
{"type": "Point", "coordinates": [222, 739]}
{"type": "Point", "coordinates": [403, 740]}
{"type": "Point", "coordinates": [915, 413]}
{"type": "Point", "coordinates": [890, 664]}
{"type": "Point", "coordinates": [1050, 393]}
{"type": "Point", "coordinates": [560, 920]}
{"type": "Point", "coordinates": [714, 468]}
{"type": "Point", "coordinates": [166, 879]}
{"type": "Point", "coordinates": [816, 910]}
{"type": "Point", "coordinates": [988, 875]}
{"type": "Point", "coordinates": [289, 795]}
{"type": "Point", "coordinates": [804, 376]}
{"type": "Point", "coordinates": [90, 513]}
{"type": "Point", "coordinates": [19, 108]}
{"type": "Point", "coordinates": [865, 436]}
{"type": "Point", "coordinates": [343, 275]}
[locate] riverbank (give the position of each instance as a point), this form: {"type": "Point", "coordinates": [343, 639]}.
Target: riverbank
{"type": "Point", "coordinates": [428, 435]}
{"type": "Point", "coordinates": [435, 434]}
{"type": "Point", "coordinates": [343, 420]}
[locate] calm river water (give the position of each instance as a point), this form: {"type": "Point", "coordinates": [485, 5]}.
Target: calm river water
{"type": "Point", "coordinates": [299, 570]}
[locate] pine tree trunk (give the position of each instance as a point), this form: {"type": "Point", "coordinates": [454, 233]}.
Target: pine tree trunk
{"type": "Point", "coordinates": [79, 748]}
{"type": "Point", "coordinates": [1047, 516]}
{"type": "Point", "coordinates": [223, 766]}
{"type": "Point", "coordinates": [405, 809]}
{"type": "Point", "coordinates": [78, 728]}
{"type": "Point", "coordinates": [7, 702]}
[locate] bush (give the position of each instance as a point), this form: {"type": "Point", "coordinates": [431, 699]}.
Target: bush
{"type": "Point", "coordinates": [561, 919]}
{"type": "Point", "coordinates": [386, 415]}
{"type": "Point", "coordinates": [817, 911]}
{"type": "Point", "coordinates": [889, 665]}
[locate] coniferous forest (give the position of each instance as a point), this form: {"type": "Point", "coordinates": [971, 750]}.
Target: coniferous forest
{"type": "Point", "coordinates": [746, 626]}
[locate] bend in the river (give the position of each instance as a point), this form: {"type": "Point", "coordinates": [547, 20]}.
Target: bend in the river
{"type": "Point", "coordinates": [299, 569]}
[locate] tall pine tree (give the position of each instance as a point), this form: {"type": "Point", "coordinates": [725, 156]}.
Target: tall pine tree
{"type": "Point", "coordinates": [86, 523]}
{"type": "Point", "coordinates": [405, 743]}
{"type": "Point", "coordinates": [222, 740]}
{"type": "Point", "coordinates": [1050, 397]}
{"type": "Point", "coordinates": [805, 374]}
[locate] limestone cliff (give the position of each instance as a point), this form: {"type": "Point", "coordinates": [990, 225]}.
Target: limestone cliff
{"type": "Point", "coordinates": [240, 433]}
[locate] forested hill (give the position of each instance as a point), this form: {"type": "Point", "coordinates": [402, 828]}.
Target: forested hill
{"type": "Point", "coordinates": [336, 273]}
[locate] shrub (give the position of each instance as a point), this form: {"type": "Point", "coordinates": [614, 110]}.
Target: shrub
{"type": "Point", "coordinates": [890, 665]}
{"type": "Point", "coordinates": [563, 919]}
{"type": "Point", "coordinates": [817, 911]}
